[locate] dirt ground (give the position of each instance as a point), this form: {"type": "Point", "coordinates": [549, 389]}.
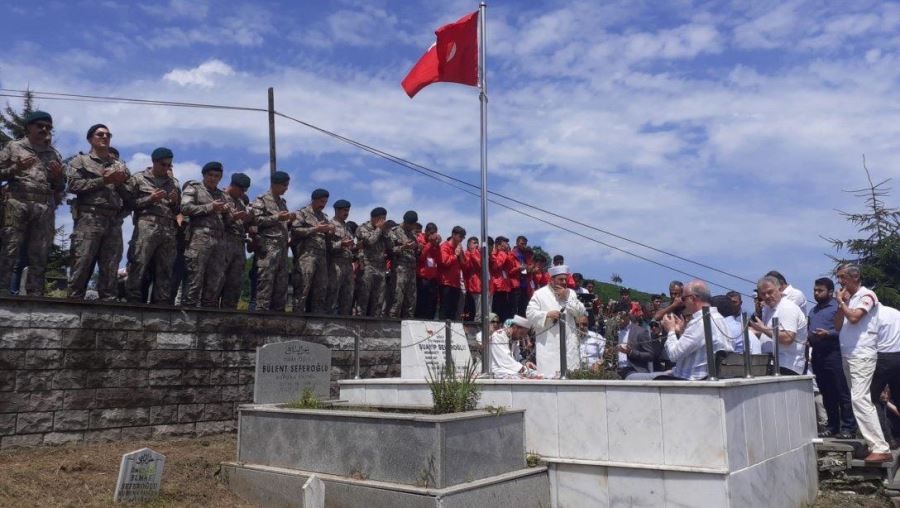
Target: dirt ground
{"type": "Point", "coordinates": [85, 475]}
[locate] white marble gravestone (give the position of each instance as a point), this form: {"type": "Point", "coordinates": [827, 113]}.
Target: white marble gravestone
{"type": "Point", "coordinates": [314, 493]}
{"type": "Point", "coordinates": [285, 369]}
{"type": "Point", "coordinates": [140, 475]}
{"type": "Point", "coordinates": [423, 347]}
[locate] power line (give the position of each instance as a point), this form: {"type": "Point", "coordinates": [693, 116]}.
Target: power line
{"type": "Point", "coordinates": [125, 100]}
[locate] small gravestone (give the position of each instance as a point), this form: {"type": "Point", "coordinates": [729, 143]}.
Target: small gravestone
{"type": "Point", "coordinates": [314, 493]}
{"type": "Point", "coordinates": [285, 369]}
{"type": "Point", "coordinates": [140, 475]}
{"type": "Point", "coordinates": [423, 348]}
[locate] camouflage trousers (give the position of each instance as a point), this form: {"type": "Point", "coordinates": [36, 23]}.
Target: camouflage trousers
{"type": "Point", "coordinates": [233, 260]}
{"type": "Point", "coordinates": [203, 268]}
{"type": "Point", "coordinates": [152, 246]}
{"type": "Point", "coordinates": [272, 270]}
{"type": "Point", "coordinates": [404, 305]}
{"type": "Point", "coordinates": [370, 291]}
{"type": "Point", "coordinates": [96, 239]}
{"type": "Point", "coordinates": [310, 282]}
{"type": "Point", "coordinates": [27, 225]}
{"type": "Point", "coordinates": [341, 283]}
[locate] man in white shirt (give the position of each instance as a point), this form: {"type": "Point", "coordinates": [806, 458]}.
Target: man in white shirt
{"type": "Point", "coordinates": [689, 350]}
{"type": "Point", "coordinates": [793, 294]}
{"type": "Point", "coordinates": [503, 365]}
{"type": "Point", "coordinates": [887, 367]}
{"type": "Point", "coordinates": [858, 313]}
{"type": "Point", "coordinates": [592, 345]}
{"type": "Point", "coordinates": [792, 327]}
{"type": "Point", "coordinates": [547, 306]}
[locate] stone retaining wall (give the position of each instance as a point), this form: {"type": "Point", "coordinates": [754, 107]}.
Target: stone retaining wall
{"type": "Point", "coordinates": [88, 371]}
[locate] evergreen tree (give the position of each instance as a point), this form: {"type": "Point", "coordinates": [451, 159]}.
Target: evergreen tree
{"type": "Point", "coordinates": [12, 124]}
{"type": "Point", "coordinates": [878, 251]}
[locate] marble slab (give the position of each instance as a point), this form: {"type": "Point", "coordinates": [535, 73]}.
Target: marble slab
{"type": "Point", "coordinates": [693, 433]}
{"type": "Point", "coordinates": [583, 423]}
{"type": "Point", "coordinates": [541, 425]}
{"type": "Point", "coordinates": [735, 432]}
{"type": "Point", "coordinates": [694, 490]}
{"type": "Point", "coordinates": [634, 422]}
{"type": "Point", "coordinates": [635, 487]}
{"type": "Point", "coordinates": [575, 485]}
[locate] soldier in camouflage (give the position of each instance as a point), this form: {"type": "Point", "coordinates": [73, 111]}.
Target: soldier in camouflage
{"type": "Point", "coordinates": [36, 179]}
{"type": "Point", "coordinates": [155, 198]}
{"type": "Point", "coordinates": [310, 234]}
{"type": "Point", "coordinates": [272, 218]}
{"type": "Point", "coordinates": [237, 220]}
{"type": "Point", "coordinates": [339, 299]}
{"type": "Point", "coordinates": [204, 206]}
{"type": "Point", "coordinates": [405, 249]}
{"type": "Point", "coordinates": [372, 237]}
{"type": "Point", "coordinates": [98, 181]}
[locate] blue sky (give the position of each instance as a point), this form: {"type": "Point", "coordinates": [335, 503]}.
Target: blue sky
{"type": "Point", "coordinates": [724, 132]}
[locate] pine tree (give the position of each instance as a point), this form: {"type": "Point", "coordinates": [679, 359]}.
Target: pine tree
{"type": "Point", "coordinates": [12, 124]}
{"type": "Point", "coordinates": [878, 251]}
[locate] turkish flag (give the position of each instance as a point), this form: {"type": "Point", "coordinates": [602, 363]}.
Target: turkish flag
{"type": "Point", "coordinates": [453, 58]}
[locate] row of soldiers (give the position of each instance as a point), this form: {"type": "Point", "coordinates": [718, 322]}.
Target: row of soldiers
{"type": "Point", "coordinates": [214, 227]}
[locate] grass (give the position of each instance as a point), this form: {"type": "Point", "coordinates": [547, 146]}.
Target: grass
{"type": "Point", "coordinates": [451, 392]}
{"type": "Point", "coordinates": [307, 400]}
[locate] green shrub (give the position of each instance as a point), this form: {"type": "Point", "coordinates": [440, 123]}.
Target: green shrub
{"type": "Point", "coordinates": [307, 400]}
{"type": "Point", "coordinates": [453, 393]}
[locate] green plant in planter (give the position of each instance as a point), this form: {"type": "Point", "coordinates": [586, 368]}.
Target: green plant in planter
{"type": "Point", "coordinates": [451, 392]}
{"type": "Point", "coordinates": [307, 400]}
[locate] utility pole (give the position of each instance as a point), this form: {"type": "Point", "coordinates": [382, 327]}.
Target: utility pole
{"type": "Point", "coordinates": [271, 131]}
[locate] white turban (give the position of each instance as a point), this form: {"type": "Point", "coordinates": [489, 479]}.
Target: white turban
{"type": "Point", "coordinates": [558, 270]}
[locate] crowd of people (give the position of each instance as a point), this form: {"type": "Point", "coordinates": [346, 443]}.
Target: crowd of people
{"type": "Point", "coordinates": [190, 243]}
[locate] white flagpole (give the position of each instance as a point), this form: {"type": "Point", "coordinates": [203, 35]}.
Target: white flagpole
{"type": "Point", "coordinates": [485, 255]}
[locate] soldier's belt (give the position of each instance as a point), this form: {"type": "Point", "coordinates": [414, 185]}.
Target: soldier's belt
{"type": "Point", "coordinates": [158, 219]}
{"type": "Point", "coordinates": [207, 230]}
{"type": "Point", "coordinates": [97, 210]}
{"type": "Point", "coordinates": [34, 197]}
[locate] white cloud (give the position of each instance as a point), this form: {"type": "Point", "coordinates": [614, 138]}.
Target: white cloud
{"type": "Point", "coordinates": [205, 74]}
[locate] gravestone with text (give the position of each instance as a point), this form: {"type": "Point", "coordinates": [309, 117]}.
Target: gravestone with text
{"type": "Point", "coordinates": [140, 475]}
{"type": "Point", "coordinates": [285, 369]}
{"type": "Point", "coordinates": [423, 348]}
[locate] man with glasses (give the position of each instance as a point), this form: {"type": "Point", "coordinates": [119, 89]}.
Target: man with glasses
{"type": "Point", "coordinates": [685, 341]}
{"type": "Point", "coordinates": [97, 179]}
{"type": "Point", "coordinates": [792, 327]}
{"type": "Point", "coordinates": [36, 179]}
{"type": "Point", "coordinates": [156, 200]}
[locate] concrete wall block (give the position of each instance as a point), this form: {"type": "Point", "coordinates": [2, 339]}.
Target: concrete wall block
{"type": "Point", "coordinates": [70, 379]}
{"type": "Point", "coordinates": [208, 428]}
{"type": "Point", "coordinates": [79, 399]}
{"type": "Point", "coordinates": [189, 412]}
{"type": "Point", "coordinates": [125, 339]}
{"type": "Point", "coordinates": [119, 417]}
{"type": "Point", "coordinates": [128, 319]}
{"type": "Point", "coordinates": [224, 376]}
{"type": "Point", "coordinates": [78, 338]}
{"type": "Point", "coordinates": [61, 438]}
{"type": "Point", "coordinates": [165, 377]}
{"type": "Point", "coordinates": [102, 436]}
{"type": "Point", "coordinates": [127, 397]}
{"type": "Point", "coordinates": [52, 316]}
{"type": "Point", "coordinates": [137, 433]}
{"type": "Point", "coordinates": [221, 322]}
{"type": "Point", "coordinates": [237, 393]}
{"type": "Point", "coordinates": [156, 320]}
{"type": "Point", "coordinates": [7, 424]}
{"type": "Point", "coordinates": [12, 359]}
{"type": "Point", "coordinates": [238, 359]}
{"type": "Point", "coordinates": [164, 414]}
{"type": "Point", "coordinates": [171, 359]}
{"type": "Point", "coordinates": [113, 378]}
{"type": "Point", "coordinates": [133, 359]}
{"type": "Point", "coordinates": [179, 395]}
{"type": "Point", "coordinates": [44, 401]}
{"type": "Point", "coordinates": [183, 321]}
{"type": "Point", "coordinates": [210, 341]}
{"type": "Point", "coordinates": [220, 411]}
{"type": "Point", "coordinates": [176, 340]}
{"type": "Point", "coordinates": [208, 394]}
{"type": "Point", "coordinates": [98, 318]}
{"type": "Point", "coordinates": [31, 423]}
{"type": "Point", "coordinates": [15, 314]}
{"type": "Point", "coordinates": [34, 380]}
{"type": "Point", "coordinates": [44, 359]}
{"type": "Point", "coordinates": [7, 380]}
{"type": "Point", "coordinates": [31, 338]}
{"type": "Point", "coordinates": [246, 375]}
{"type": "Point", "coordinates": [195, 377]}
{"type": "Point", "coordinates": [71, 420]}
{"type": "Point", "coordinates": [177, 430]}
{"type": "Point", "coordinates": [21, 441]}
{"type": "Point", "coordinates": [87, 359]}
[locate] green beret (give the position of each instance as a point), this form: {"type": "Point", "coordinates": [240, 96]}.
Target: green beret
{"type": "Point", "coordinates": [281, 177]}
{"type": "Point", "coordinates": [319, 194]}
{"type": "Point", "coordinates": [377, 212]}
{"type": "Point", "coordinates": [342, 203]}
{"type": "Point", "coordinates": [410, 217]}
{"type": "Point", "coordinates": [161, 153]}
{"type": "Point", "coordinates": [35, 116]}
{"type": "Point", "coordinates": [240, 180]}
{"type": "Point", "coordinates": [211, 166]}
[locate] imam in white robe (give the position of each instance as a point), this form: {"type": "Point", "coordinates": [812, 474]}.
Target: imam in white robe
{"type": "Point", "coordinates": [547, 331]}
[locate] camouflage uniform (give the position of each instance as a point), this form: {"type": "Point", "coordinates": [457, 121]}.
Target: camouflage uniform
{"type": "Point", "coordinates": [370, 291]}
{"type": "Point", "coordinates": [29, 211]}
{"type": "Point", "coordinates": [233, 257]}
{"type": "Point", "coordinates": [152, 244]}
{"type": "Point", "coordinates": [204, 241]}
{"type": "Point", "coordinates": [272, 235]}
{"type": "Point", "coordinates": [340, 272]}
{"type": "Point", "coordinates": [310, 260]}
{"type": "Point", "coordinates": [404, 265]}
{"type": "Point", "coordinates": [97, 210]}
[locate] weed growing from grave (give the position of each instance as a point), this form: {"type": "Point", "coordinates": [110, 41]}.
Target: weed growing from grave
{"type": "Point", "coordinates": [532, 459]}
{"type": "Point", "coordinates": [451, 392]}
{"type": "Point", "coordinates": [307, 400]}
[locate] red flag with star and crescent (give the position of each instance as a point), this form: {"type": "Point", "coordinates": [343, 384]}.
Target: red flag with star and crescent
{"type": "Point", "coordinates": [453, 58]}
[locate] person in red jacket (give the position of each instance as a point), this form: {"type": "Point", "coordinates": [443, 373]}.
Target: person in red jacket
{"type": "Point", "coordinates": [472, 277]}
{"type": "Point", "coordinates": [450, 265]}
{"type": "Point", "coordinates": [500, 279]}
{"type": "Point", "coordinates": [558, 260]}
{"type": "Point", "coordinates": [540, 277]}
{"type": "Point", "coordinates": [427, 277]}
